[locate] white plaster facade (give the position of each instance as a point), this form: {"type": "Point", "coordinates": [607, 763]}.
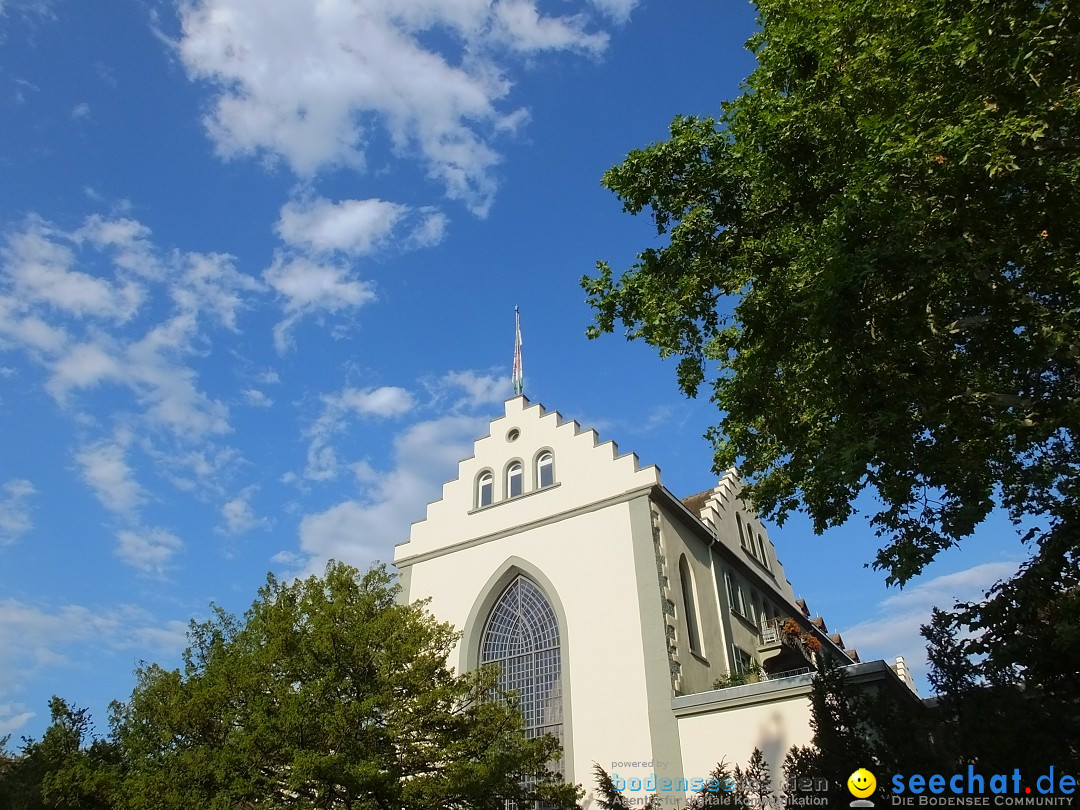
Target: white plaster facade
{"type": "Point", "coordinates": [654, 599]}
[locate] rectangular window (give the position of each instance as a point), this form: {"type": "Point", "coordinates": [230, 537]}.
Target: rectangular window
{"type": "Point", "coordinates": [729, 586]}
{"type": "Point", "coordinates": [742, 660]}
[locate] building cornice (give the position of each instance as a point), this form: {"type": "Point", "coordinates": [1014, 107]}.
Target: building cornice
{"type": "Point", "coordinates": [547, 520]}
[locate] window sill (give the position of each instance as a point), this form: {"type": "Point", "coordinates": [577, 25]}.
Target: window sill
{"type": "Point", "coordinates": [515, 499]}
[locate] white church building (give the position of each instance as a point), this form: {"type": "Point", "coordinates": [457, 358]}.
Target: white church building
{"type": "Point", "coordinates": [613, 606]}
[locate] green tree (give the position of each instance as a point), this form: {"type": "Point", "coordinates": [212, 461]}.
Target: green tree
{"type": "Point", "coordinates": [872, 258]}
{"type": "Point", "coordinates": [755, 782]}
{"type": "Point", "coordinates": [873, 261]}
{"type": "Point", "coordinates": [67, 768]}
{"type": "Point", "coordinates": [611, 797]}
{"type": "Point", "coordinates": [971, 708]}
{"type": "Point", "coordinates": [329, 693]}
{"type": "Point", "coordinates": [715, 793]}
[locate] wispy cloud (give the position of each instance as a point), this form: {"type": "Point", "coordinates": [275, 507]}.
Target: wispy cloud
{"type": "Point", "coordinates": [893, 629]}
{"type": "Point", "coordinates": [425, 455]}
{"type": "Point", "coordinates": [239, 515]}
{"type": "Point", "coordinates": [15, 518]}
{"type": "Point", "coordinates": [337, 410]}
{"type": "Point", "coordinates": [39, 637]}
{"type": "Point", "coordinates": [148, 550]}
{"type": "Point", "coordinates": [309, 286]}
{"type": "Point", "coordinates": [359, 530]}
{"type": "Point", "coordinates": [104, 467]}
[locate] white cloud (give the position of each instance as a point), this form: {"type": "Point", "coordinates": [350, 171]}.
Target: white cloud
{"type": "Point", "coordinates": [351, 226]}
{"type": "Point", "coordinates": [80, 111]}
{"type": "Point", "coordinates": [77, 315]}
{"type": "Point", "coordinates": [519, 23]}
{"type": "Point", "coordinates": [41, 8]}
{"type": "Point", "coordinates": [15, 511]}
{"type": "Point", "coordinates": [430, 231]}
{"type": "Point", "coordinates": [84, 366]}
{"type": "Point", "coordinates": [894, 628]}
{"type": "Point", "coordinates": [105, 469]}
{"type": "Point", "coordinates": [479, 389]}
{"type": "Point", "coordinates": [167, 389]}
{"type": "Point", "coordinates": [211, 284]}
{"type": "Point", "coordinates": [29, 331]}
{"type": "Point", "coordinates": [126, 240]}
{"type": "Point", "coordinates": [358, 531]}
{"type": "Point", "coordinates": [39, 265]}
{"type": "Point", "coordinates": [309, 276]}
{"type": "Point", "coordinates": [309, 82]}
{"type": "Point", "coordinates": [13, 716]}
{"type": "Point", "coordinates": [198, 470]}
{"type": "Point", "coordinates": [239, 516]}
{"type": "Point", "coordinates": [39, 638]}
{"type": "Point", "coordinates": [384, 402]}
{"type": "Point", "coordinates": [149, 550]}
{"type": "Point", "coordinates": [307, 287]}
{"type": "Point", "coordinates": [618, 10]}
{"type": "Point", "coordinates": [256, 398]}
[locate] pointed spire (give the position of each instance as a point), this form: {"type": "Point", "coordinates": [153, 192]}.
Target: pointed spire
{"type": "Point", "coordinates": [518, 374]}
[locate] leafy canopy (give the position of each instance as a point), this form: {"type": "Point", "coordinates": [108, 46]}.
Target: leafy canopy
{"type": "Point", "coordinates": [329, 693]}
{"type": "Point", "coordinates": [871, 258]}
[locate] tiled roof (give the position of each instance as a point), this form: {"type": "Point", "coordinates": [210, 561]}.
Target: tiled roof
{"type": "Point", "coordinates": [695, 503]}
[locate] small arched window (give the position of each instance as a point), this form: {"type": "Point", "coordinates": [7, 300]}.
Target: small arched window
{"type": "Point", "coordinates": [515, 480]}
{"type": "Point", "coordinates": [545, 470]}
{"type": "Point", "coordinates": [485, 489]}
{"type": "Point", "coordinates": [742, 534]}
{"type": "Point", "coordinates": [689, 606]}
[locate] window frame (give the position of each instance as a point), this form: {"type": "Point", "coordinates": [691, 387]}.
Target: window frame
{"type": "Point", "coordinates": [689, 600]}
{"type": "Point", "coordinates": [539, 465]}
{"type": "Point", "coordinates": [490, 476]}
{"type": "Point", "coordinates": [540, 661]}
{"type": "Point", "coordinates": [514, 469]}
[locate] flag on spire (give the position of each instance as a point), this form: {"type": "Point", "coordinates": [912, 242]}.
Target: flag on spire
{"type": "Point", "coordinates": [518, 377]}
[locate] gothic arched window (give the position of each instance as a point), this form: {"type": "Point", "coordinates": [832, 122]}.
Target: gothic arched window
{"type": "Point", "coordinates": [522, 637]}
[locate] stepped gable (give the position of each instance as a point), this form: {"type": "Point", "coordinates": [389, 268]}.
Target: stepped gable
{"type": "Point", "coordinates": [587, 471]}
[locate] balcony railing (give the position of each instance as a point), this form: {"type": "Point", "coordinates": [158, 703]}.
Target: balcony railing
{"type": "Point", "coordinates": [759, 676]}
{"type": "Point", "coordinates": [770, 633]}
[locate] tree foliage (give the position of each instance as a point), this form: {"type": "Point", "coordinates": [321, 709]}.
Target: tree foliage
{"type": "Point", "coordinates": [994, 721]}
{"type": "Point", "coordinates": [872, 260]}
{"type": "Point", "coordinates": [329, 693]}
{"type": "Point", "coordinates": [67, 768]}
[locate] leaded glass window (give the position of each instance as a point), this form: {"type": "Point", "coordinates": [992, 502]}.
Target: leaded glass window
{"type": "Point", "coordinates": [522, 637]}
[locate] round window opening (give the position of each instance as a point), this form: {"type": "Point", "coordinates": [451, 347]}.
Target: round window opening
{"type": "Point", "coordinates": [512, 435]}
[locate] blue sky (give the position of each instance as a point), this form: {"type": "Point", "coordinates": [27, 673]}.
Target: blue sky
{"type": "Point", "coordinates": [258, 266]}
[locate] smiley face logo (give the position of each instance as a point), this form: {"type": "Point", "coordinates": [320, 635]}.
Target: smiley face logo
{"type": "Point", "coordinates": [861, 783]}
